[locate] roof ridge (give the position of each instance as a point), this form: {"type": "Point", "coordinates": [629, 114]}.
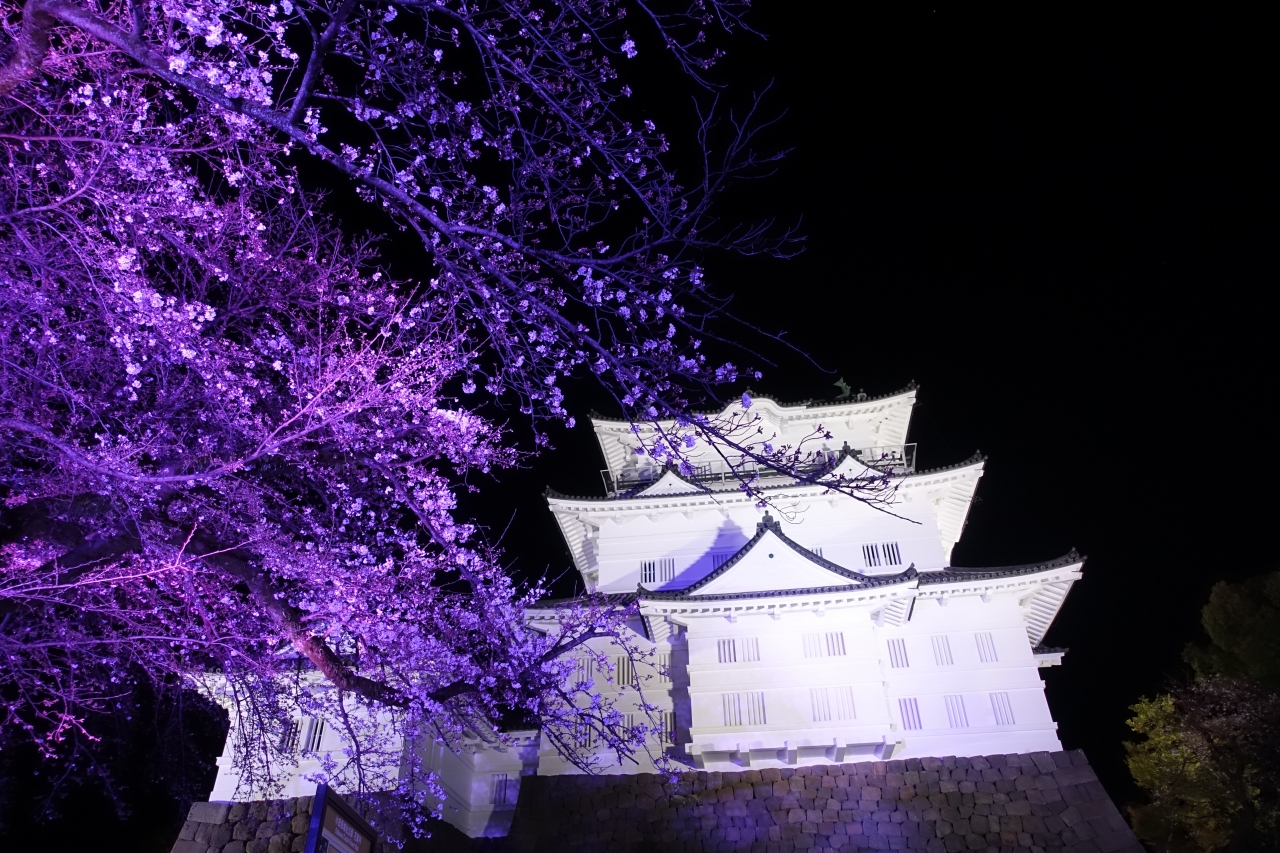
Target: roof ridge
{"type": "Point", "coordinates": [976, 457]}
{"type": "Point", "coordinates": [953, 574]}
{"type": "Point", "coordinates": [809, 403]}
{"type": "Point", "coordinates": [766, 524]}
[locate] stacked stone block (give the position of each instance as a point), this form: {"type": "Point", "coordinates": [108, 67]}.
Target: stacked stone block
{"type": "Point", "coordinates": [1037, 803]}
{"type": "Point", "coordinates": [264, 826]}
{"type": "Point", "coordinates": [1043, 802]}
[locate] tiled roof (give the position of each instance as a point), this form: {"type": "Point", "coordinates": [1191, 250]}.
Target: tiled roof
{"type": "Point", "coordinates": [616, 598]}
{"type": "Point", "coordinates": [769, 523]}
{"type": "Point", "coordinates": [956, 574]}
{"type": "Point", "coordinates": [850, 401]}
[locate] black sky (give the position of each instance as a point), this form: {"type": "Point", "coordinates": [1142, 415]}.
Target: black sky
{"type": "Point", "coordinates": [1061, 222]}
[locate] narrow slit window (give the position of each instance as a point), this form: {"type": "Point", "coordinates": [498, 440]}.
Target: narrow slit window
{"type": "Point", "coordinates": [956, 716]}
{"type": "Point", "coordinates": [942, 650]}
{"type": "Point", "coordinates": [503, 790]}
{"type": "Point", "coordinates": [750, 647]}
{"type": "Point", "coordinates": [820, 703]}
{"type": "Point", "coordinates": [584, 735]}
{"type": "Point", "coordinates": [830, 644]}
{"type": "Point", "coordinates": [842, 703]}
{"type": "Point", "coordinates": [743, 709]}
{"type": "Point", "coordinates": [664, 669]}
{"type": "Point", "coordinates": [315, 735]}
{"type": "Point", "coordinates": [909, 710]}
{"type": "Point", "coordinates": [1002, 708]}
{"type": "Point", "coordinates": [718, 560]}
{"type": "Point", "coordinates": [732, 703]}
{"type": "Point", "coordinates": [898, 654]}
{"type": "Point", "coordinates": [817, 551]}
{"type": "Point", "coordinates": [584, 670]}
{"type": "Point", "coordinates": [289, 737]}
{"type": "Point", "coordinates": [668, 731]}
{"type": "Point", "coordinates": [871, 556]}
{"type": "Point", "coordinates": [892, 554]}
{"type": "Point", "coordinates": [658, 571]}
{"type": "Point", "coordinates": [624, 672]}
{"type": "Point", "coordinates": [986, 647]}
{"type": "Point", "coordinates": [727, 651]}
{"type": "Point", "coordinates": [755, 708]}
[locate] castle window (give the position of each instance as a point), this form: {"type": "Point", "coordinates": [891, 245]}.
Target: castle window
{"type": "Point", "coordinates": [898, 654]}
{"type": "Point", "coordinates": [830, 644]}
{"type": "Point", "coordinates": [986, 647]}
{"type": "Point", "coordinates": [909, 710]}
{"type": "Point", "coordinates": [817, 551]}
{"type": "Point", "coordinates": [289, 737]}
{"type": "Point", "coordinates": [664, 669]}
{"type": "Point", "coordinates": [583, 670]}
{"type": "Point", "coordinates": [503, 789]}
{"type": "Point", "coordinates": [942, 650]}
{"type": "Point", "coordinates": [743, 706]}
{"type": "Point", "coordinates": [826, 701]}
{"type": "Point", "coordinates": [742, 648]}
{"type": "Point", "coordinates": [843, 703]}
{"type": "Point", "coordinates": [956, 716]}
{"type": "Point", "coordinates": [1002, 708]}
{"type": "Point", "coordinates": [879, 554]}
{"type": "Point", "coordinates": [820, 701]}
{"type": "Point", "coordinates": [718, 560]}
{"type": "Point", "coordinates": [667, 734]}
{"type": "Point", "coordinates": [315, 735]}
{"type": "Point", "coordinates": [727, 651]}
{"type": "Point", "coordinates": [624, 671]}
{"type": "Point", "coordinates": [658, 571]}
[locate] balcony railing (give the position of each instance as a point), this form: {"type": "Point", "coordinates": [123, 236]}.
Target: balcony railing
{"type": "Point", "coordinates": [894, 459]}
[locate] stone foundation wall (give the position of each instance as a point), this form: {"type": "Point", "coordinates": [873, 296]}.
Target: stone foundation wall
{"type": "Point", "coordinates": [265, 826]}
{"type": "Point", "coordinates": [1042, 802]}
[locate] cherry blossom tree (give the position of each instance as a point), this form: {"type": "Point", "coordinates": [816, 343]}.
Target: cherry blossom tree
{"type": "Point", "coordinates": [231, 439]}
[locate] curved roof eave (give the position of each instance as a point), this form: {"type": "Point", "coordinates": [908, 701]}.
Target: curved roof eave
{"type": "Point", "coordinates": [799, 406]}
{"type": "Point", "coordinates": [551, 494]}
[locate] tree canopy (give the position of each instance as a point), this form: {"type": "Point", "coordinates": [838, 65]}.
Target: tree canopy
{"type": "Point", "coordinates": [1209, 760]}
{"type": "Point", "coordinates": [232, 435]}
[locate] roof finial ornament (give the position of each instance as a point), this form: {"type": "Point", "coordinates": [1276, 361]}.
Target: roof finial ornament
{"type": "Point", "coordinates": [768, 522]}
{"type": "Point", "coordinates": [845, 391]}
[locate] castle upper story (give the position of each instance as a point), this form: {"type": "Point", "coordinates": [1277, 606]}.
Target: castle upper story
{"type": "Point", "coordinates": [662, 530]}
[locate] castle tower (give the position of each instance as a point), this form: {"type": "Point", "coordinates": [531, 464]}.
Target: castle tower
{"type": "Point", "coordinates": [827, 629]}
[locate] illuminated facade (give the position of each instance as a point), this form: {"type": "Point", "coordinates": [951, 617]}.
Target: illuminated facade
{"type": "Point", "coordinates": [825, 629]}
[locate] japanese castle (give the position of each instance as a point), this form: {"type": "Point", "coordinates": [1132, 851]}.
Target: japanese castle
{"type": "Point", "coordinates": [821, 629]}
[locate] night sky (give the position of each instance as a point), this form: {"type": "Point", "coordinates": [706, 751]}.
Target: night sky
{"type": "Point", "coordinates": [1062, 225]}
{"type": "Point", "coordinates": [1061, 222]}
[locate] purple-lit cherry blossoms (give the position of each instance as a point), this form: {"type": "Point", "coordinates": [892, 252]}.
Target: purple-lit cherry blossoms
{"type": "Point", "coordinates": [230, 439]}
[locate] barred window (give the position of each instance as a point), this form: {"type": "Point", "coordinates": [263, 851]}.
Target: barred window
{"type": "Point", "coordinates": [909, 710]}
{"type": "Point", "coordinates": [664, 669]}
{"type": "Point", "coordinates": [878, 554]}
{"type": "Point", "coordinates": [842, 703]}
{"type": "Point", "coordinates": [658, 571]}
{"type": "Point", "coordinates": [986, 647]}
{"type": "Point", "coordinates": [942, 650]}
{"type": "Point", "coordinates": [743, 706]}
{"type": "Point", "coordinates": [820, 645]}
{"type": "Point", "coordinates": [1002, 708]}
{"type": "Point", "coordinates": [289, 737]}
{"type": "Point", "coordinates": [956, 716]}
{"type": "Point", "coordinates": [503, 789]}
{"type": "Point", "coordinates": [624, 671]}
{"type": "Point", "coordinates": [668, 732]}
{"type": "Point", "coordinates": [315, 735]}
{"type": "Point", "coordinates": [820, 702]}
{"type": "Point", "coordinates": [898, 654]}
